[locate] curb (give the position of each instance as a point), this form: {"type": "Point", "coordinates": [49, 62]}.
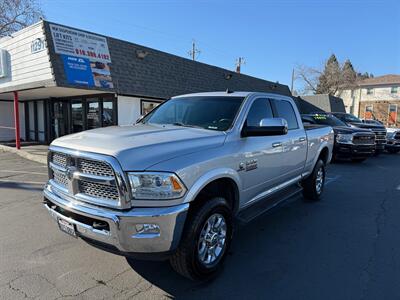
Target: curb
{"type": "Point", "coordinates": [24, 154]}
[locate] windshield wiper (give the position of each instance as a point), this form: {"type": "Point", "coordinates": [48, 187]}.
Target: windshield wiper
{"type": "Point", "coordinates": [186, 125]}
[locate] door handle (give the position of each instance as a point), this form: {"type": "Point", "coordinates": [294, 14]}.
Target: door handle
{"type": "Point", "coordinates": [302, 139]}
{"type": "Point", "coordinates": [278, 144]}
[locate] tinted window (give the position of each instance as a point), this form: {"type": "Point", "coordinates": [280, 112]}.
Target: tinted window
{"type": "Point", "coordinates": [260, 109]}
{"type": "Point", "coordinates": [215, 113]}
{"type": "Point", "coordinates": [327, 120]}
{"type": "Point", "coordinates": [285, 110]}
{"type": "Point", "coordinates": [348, 118]}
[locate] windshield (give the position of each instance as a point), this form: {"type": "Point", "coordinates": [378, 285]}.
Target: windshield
{"type": "Point", "coordinates": [327, 120]}
{"type": "Point", "coordinates": [214, 113]}
{"type": "Point", "coordinates": [350, 118]}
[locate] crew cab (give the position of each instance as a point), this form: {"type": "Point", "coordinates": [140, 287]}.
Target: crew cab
{"type": "Point", "coordinates": [352, 143]}
{"type": "Point", "coordinates": [379, 130]}
{"type": "Point", "coordinates": [173, 185]}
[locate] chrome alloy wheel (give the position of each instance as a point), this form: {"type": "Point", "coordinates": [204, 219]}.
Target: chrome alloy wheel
{"type": "Point", "coordinates": [212, 240]}
{"type": "Point", "coordinates": [319, 180]}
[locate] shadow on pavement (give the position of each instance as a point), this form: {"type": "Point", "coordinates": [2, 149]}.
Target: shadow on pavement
{"type": "Point", "coordinates": [251, 253]}
{"type": "Point", "coordinates": [21, 186]}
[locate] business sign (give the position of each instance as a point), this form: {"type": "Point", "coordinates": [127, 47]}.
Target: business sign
{"type": "Point", "coordinates": [77, 70]}
{"type": "Point", "coordinates": [82, 71]}
{"type": "Point", "coordinates": [74, 42]}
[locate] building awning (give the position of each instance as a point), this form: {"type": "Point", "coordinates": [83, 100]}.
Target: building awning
{"type": "Point", "coordinates": [47, 93]}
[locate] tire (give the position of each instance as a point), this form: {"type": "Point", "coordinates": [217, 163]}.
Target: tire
{"type": "Point", "coordinates": [186, 260]}
{"type": "Point", "coordinates": [358, 160]}
{"type": "Point", "coordinates": [312, 191]}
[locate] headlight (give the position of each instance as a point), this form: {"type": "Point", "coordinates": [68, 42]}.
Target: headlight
{"type": "Point", "coordinates": [390, 135]}
{"type": "Point", "coordinates": [156, 186]}
{"type": "Point", "coordinates": [344, 138]}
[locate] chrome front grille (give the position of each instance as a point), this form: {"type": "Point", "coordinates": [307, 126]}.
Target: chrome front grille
{"type": "Point", "coordinates": [98, 190]}
{"type": "Point", "coordinates": [60, 178]}
{"type": "Point", "coordinates": [397, 136]}
{"type": "Point", "coordinates": [380, 136]}
{"type": "Point", "coordinates": [59, 159]}
{"type": "Point", "coordinates": [98, 180]}
{"type": "Point", "coordinates": [98, 168]}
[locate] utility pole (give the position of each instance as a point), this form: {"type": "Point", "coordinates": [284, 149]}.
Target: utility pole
{"type": "Point", "coordinates": [291, 86]}
{"type": "Point", "coordinates": [239, 62]}
{"type": "Point", "coordinates": [194, 51]}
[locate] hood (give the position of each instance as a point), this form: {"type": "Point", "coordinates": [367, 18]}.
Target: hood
{"type": "Point", "coordinates": [368, 126]}
{"type": "Point", "coordinates": [347, 129]}
{"type": "Point", "coordinates": [138, 147]}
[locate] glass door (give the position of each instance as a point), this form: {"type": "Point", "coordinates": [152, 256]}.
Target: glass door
{"type": "Point", "coordinates": [77, 116]}
{"type": "Point", "coordinates": [59, 119]}
{"type": "Point", "coordinates": [93, 113]}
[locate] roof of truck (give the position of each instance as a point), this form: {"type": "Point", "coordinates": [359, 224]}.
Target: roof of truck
{"type": "Point", "coordinates": [221, 94]}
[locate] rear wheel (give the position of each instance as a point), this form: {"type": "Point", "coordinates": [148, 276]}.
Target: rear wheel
{"type": "Point", "coordinates": [205, 241]}
{"type": "Point", "coordinates": [313, 185]}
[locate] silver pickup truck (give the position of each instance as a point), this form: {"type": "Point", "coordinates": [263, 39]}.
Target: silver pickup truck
{"type": "Point", "coordinates": [174, 184]}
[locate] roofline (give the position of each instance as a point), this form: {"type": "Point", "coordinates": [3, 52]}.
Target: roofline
{"type": "Point", "coordinates": [181, 57]}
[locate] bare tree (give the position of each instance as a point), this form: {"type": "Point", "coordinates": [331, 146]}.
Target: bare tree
{"type": "Point", "coordinates": [331, 79]}
{"type": "Point", "coordinates": [17, 14]}
{"type": "Point", "coordinates": [309, 76]}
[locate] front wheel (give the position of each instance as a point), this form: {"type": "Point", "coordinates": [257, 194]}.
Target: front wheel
{"type": "Point", "coordinates": [313, 185]}
{"type": "Point", "coordinates": [205, 241]}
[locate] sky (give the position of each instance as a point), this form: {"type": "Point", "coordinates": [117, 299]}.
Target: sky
{"type": "Point", "coordinates": [273, 36]}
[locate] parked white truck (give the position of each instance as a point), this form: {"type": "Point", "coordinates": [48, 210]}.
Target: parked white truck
{"type": "Point", "coordinates": [172, 185]}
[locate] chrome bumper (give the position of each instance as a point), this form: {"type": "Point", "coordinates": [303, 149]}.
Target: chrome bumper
{"type": "Point", "coordinates": [125, 227]}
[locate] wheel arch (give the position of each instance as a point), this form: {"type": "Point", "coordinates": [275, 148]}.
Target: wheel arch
{"type": "Point", "coordinates": [220, 182]}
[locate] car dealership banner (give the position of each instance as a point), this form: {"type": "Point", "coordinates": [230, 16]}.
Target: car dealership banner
{"type": "Point", "coordinates": [85, 56]}
{"type": "Point", "coordinates": [79, 43]}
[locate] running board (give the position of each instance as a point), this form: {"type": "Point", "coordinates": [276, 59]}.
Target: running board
{"type": "Point", "coordinates": [260, 207]}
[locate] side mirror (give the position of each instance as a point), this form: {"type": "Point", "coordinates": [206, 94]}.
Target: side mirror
{"type": "Point", "coordinates": [268, 127]}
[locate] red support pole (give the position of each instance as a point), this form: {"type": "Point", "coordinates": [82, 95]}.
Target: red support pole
{"type": "Point", "coordinates": [16, 121]}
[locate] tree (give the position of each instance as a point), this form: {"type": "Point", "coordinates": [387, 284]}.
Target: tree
{"type": "Point", "coordinates": [330, 79]}
{"type": "Point", "coordinates": [17, 14]}
{"type": "Point", "coordinates": [349, 75]}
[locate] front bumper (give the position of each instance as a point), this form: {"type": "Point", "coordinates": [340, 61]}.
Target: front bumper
{"type": "Point", "coordinates": [121, 230]}
{"type": "Point", "coordinates": [353, 151]}
{"type": "Point", "coordinates": [393, 144]}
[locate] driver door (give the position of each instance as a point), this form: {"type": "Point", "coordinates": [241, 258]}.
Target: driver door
{"type": "Point", "coordinates": [260, 156]}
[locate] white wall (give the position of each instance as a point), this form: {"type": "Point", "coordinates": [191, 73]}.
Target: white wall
{"type": "Point", "coordinates": [7, 120]}
{"type": "Point", "coordinates": [353, 98]}
{"type": "Point", "coordinates": [128, 110]}
{"type": "Point", "coordinates": [25, 67]}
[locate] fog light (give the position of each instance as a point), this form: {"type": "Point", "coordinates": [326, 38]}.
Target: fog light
{"type": "Point", "coordinates": [147, 228]}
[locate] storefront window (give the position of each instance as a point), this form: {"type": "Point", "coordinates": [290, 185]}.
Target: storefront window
{"type": "Point", "coordinates": [93, 113]}
{"type": "Point", "coordinates": [77, 115]}
{"type": "Point", "coordinates": [108, 113]}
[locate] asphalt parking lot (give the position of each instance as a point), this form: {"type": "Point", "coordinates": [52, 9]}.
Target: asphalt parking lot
{"type": "Point", "coordinates": [345, 247]}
